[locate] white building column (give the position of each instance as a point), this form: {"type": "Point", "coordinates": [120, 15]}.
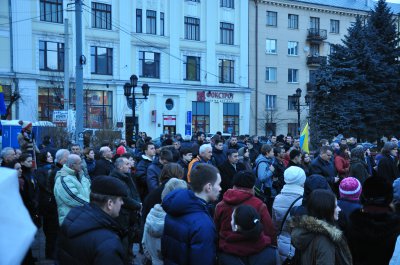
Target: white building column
{"type": "Point", "coordinates": [244, 122]}
{"type": "Point", "coordinates": [28, 104]}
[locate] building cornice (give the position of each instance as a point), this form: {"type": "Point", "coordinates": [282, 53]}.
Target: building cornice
{"type": "Point", "coordinates": [315, 7]}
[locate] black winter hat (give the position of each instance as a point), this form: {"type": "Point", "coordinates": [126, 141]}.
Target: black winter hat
{"type": "Point", "coordinates": [244, 179]}
{"type": "Point", "coordinates": [106, 185]}
{"type": "Point", "coordinates": [314, 182]}
{"type": "Point", "coordinates": [376, 191]}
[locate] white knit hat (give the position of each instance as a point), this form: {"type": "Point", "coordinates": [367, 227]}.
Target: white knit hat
{"type": "Point", "coordinates": [294, 176]}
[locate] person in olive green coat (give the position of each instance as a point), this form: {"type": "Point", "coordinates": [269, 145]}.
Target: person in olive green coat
{"type": "Point", "coordinates": [315, 237]}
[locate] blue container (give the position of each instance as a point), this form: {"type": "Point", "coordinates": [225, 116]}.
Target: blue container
{"type": "Point", "coordinates": [11, 129]}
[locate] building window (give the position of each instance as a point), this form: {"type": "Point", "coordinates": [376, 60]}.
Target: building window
{"type": "Point", "coordinates": [138, 20]}
{"type": "Point", "coordinates": [270, 103]}
{"type": "Point", "coordinates": [332, 48]}
{"type": "Point", "coordinates": [314, 23]}
{"type": "Point", "coordinates": [226, 70]}
{"type": "Point", "coordinates": [151, 21]}
{"type": "Point", "coordinates": [51, 56]}
{"type": "Point", "coordinates": [272, 18]}
{"type": "Point", "coordinates": [227, 3]}
{"type": "Point", "coordinates": [162, 25]}
{"type": "Point", "coordinates": [50, 99]}
{"type": "Point", "coordinates": [98, 109]}
{"type": "Point", "coordinates": [293, 47]}
{"type": "Point", "coordinates": [314, 49]}
{"type": "Point", "coordinates": [270, 129]}
{"type": "Point", "coordinates": [334, 26]}
{"type": "Point", "coordinates": [293, 75]}
{"type": "Point", "coordinates": [292, 129]}
{"type": "Point", "coordinates": [270, 74]}
{"type": "Point", "coordinates": [292, 102]}
{"type": "Point", "coordinates": [226, 31]}
{"type": "Point", "coordinates": [192, 28]}
{"type": "Point", "coordinates": [149, 64]}
{"type": "Point", "coordinates": [293, 21]}
{"type": "Point", "coordinates": [101, 16]}
{"type": "Point", "coordinates": [231, 118]}
{"type": "Point", "coordinates": [7, 98]}
{"type": "Point", "coordinates": [201, 116]}
{"type": "Point", "coordinates": [270, 46]}
{"type": "Point", "coordinates": [101, 60]}
{"type": "Point", "coordinates": [192, 68]}
{"type": "Point", "coordinates": [51, 11]}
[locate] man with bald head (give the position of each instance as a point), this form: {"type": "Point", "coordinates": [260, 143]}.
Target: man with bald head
{"type": "Point", "coordinates": [104, 165]}
{"type": "Point", "coordinates": [72, 187]}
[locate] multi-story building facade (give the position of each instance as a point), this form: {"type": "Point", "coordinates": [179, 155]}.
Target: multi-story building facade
{"type": "Point", "coordinates": [192, 54]}
{"type": "Point", "coordinates": [288, 41]}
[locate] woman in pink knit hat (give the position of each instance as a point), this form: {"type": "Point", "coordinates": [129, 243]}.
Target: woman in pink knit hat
{"type": "Point", "coordinates": [350, 191]}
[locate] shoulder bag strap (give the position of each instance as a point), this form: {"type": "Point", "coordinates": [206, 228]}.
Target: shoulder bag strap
{"type": "Point", "coordinates": [287, 213]}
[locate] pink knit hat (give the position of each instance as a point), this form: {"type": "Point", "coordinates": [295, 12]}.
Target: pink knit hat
{"type": "Point", "coordinates": [350, 188]}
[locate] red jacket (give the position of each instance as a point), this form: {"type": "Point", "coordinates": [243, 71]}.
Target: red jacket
{"type": "Point", "coordinates": [342, 166]}
{"type": "Point", "coordinates": [233, 242]}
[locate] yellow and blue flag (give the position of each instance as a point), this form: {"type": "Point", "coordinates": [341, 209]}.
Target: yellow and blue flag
{"type": "Point", "coordinates": [304, 139]}
{"type": "Point", "coordinates": [3, 109]}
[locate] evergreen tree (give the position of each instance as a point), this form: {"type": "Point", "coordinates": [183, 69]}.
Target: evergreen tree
{"type": "Point", "coordinates": [356, 93]}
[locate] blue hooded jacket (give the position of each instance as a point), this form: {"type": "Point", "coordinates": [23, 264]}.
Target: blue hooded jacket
{"type": "Point", "coordinates": [189, 233]}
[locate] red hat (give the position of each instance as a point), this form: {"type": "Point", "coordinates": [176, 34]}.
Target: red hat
{"type": "Point", "coordinates": [121, 150]}
{"type": "Point", "coordinates": [26, 125]}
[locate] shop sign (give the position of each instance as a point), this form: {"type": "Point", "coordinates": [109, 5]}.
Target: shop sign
{"type": "Point", "coordinates": [169, 120]}
{"type": "Point", "coordinates": [215, 96]}
{"type": "Point", "coordinates": [60, 117]}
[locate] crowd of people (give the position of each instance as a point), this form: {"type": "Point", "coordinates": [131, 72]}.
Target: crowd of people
{"type": "Point", "coordinates": [212, 201]}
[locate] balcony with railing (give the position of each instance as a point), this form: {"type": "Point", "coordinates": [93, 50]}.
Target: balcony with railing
{"type": "Point", "coordinates": [317, 35]}
{"type": "Point", "coordinates": [315, 60]}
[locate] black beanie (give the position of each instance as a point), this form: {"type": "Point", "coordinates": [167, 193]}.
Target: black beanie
{"type": "Point", "coordinates": [106, 185]}
{"type": "Point", "coordinates": [244, 179]}
{"type": "Point", "coordinates": [376, 191]}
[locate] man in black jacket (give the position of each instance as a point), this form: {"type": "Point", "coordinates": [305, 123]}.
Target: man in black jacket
{"type": "Point", "coordinates": [89, 233]}
{"type": "Point", "coordinates": [149, 153]}
{"type": "Point", "coordinates": [128, 216]}
{"type": "Point", "coordinates": [104, 165]}
{"type": "Point", "coordinates": [387, 166]}
{"type": "Point", "coordinates": [323, 165]}
{"type": "Point", "coordinates": [228, 169]}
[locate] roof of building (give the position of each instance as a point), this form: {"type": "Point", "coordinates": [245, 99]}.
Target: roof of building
{"type": "Point", "coordinates": [362, 5]}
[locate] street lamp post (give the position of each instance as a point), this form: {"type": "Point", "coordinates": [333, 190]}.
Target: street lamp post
{"type": "Point", "coordinates": [298, 105]}
{"type": "Point", "coordinates": [129, 89]}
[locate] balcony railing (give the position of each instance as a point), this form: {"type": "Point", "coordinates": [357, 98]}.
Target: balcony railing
{"type": "Point", "coordinates": [317, 35]}
{"type": "Point", "coordinates": [315, 60]}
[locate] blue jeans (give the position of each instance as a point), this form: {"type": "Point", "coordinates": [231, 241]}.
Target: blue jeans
{"type": "Point", "coordinates": [265, 257]}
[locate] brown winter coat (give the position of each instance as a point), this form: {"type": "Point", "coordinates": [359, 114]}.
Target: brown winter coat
{"type": "Point", "coordinates": [319, 242]}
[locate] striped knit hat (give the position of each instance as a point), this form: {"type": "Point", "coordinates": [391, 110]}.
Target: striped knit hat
{"type": "Point", "coordinates": [350, 188]}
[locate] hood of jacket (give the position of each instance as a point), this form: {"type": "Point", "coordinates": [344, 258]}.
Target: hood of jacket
{"type": "Point", "coordinates": [155, 221]}
{"type": "Point", "coordinates": [237, 196]}
{"type": "Point", "coordinates": [144, 157]}
{"type": "Point", "coordinates": [306, 228]}
{"type": "Point", "coordinates": [88, 218]}
{"type": "Point", "coordinates": [182, 202]}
